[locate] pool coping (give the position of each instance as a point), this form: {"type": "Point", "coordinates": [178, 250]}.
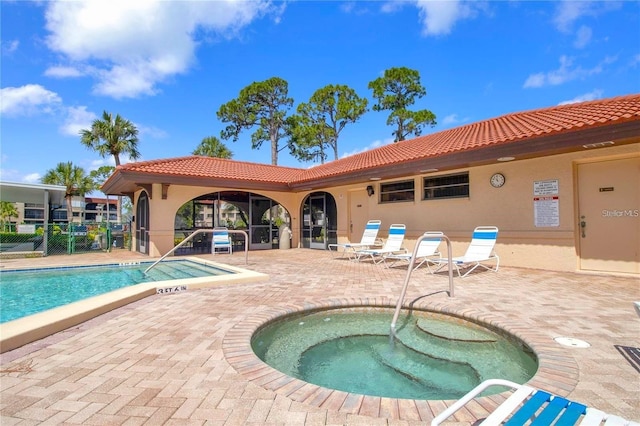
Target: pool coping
{"type": "Point", "coordinates": [557, 370]}
{"type": "Point", "coordinates": [21, 331]}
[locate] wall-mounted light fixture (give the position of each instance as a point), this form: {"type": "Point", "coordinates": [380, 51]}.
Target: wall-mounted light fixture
{"type": "Point", "coordinates": [370, 190]}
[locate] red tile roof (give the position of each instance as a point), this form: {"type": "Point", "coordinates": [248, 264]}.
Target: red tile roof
{"type": "Point", "coordinates": [507, 129]}
{"type": "Point", "coordinates": [502, 130]}
{"type": "Point", "coordinates": [210, 167]}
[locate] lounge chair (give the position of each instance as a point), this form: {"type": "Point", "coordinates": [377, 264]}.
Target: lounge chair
{"type": "Point", "coordinates": [369, 239]}
{"type": "Point", "coordinates": [528, 403]}
{"type": "Point", "coordinates": [393, 245]}
{"type": "Point", "coordinates": [427, 250]}
{"type": "Point", "coordinates": [221, 241]}
{"type": "Point", "coordinates": [480, 251]}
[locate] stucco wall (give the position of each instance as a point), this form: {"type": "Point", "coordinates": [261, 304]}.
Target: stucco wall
{"type": "Point", "coordinates": [162, 212]}
{"type": "Point", "coordinates": [510, 208]}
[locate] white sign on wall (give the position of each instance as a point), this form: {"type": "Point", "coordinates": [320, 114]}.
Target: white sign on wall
{"type": "Point", "coordinates": [546, 203]}
{"type": "Point", "coordinates": [546, 211]}
{"type": "Point", "coordinates": [545, 187]}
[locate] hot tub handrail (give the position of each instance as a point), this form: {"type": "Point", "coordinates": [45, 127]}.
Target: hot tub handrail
{"type": "Point", "coordinates": [412, 262]}
{"type": "Point", "coordinates": [204, 231]}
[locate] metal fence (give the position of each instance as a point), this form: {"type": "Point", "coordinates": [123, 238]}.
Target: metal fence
{"type": "Point", "coordinates": [63, 238]}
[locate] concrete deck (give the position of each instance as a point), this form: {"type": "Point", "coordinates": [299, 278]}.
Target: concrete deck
{"type": "Point", "coordinates": [184, 358]}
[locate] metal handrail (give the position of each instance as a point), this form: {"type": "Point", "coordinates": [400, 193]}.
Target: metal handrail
{"type": "Point", "coordinates": [412, 262]}
{"type": "Point", "coordinates": [205, 231]}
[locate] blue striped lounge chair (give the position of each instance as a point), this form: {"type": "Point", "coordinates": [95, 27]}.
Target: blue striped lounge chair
{"type": "Point", "coordinates": [369, 239]}
{"type": "Point", "coordinates": [535, 407]}
{"type": "Point", "coordinates": [480, 253]}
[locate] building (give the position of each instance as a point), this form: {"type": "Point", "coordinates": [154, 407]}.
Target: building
{"type": "Point", "coordinates": [37, 204]}
{"type": "Point", "coordinates": [561, 184]}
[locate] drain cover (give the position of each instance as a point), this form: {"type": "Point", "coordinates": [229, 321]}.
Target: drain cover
{"type": "Point", "coordinates": [570, 341]}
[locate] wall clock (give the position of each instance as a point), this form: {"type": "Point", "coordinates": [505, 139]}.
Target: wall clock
{"type": "Point", "coordinates": [497, 180]}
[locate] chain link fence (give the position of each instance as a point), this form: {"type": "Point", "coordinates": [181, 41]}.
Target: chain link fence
{"type": "Point", "coordinates": [63, 238]}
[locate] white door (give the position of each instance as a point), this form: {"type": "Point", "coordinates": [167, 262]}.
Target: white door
{"type": "Point", "coordinates": [358, 214]}
{"type": "Point", "coordinates": [609, 215]}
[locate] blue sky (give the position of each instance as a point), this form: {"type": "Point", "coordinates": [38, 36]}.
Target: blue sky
{"type": "Point", "coordinates": [168, 66]}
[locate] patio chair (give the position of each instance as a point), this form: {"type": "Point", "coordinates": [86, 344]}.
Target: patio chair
{"type": "Point", "coordinates": [369, 239]}
{"type": "Point", "coordinates": [393, 245]}
{"type": "Point", "coordinates": [427, 250]}
{"type": "Point", "coordinates": [479, 252]}
{"type": "Point", "coordinates": [540, 407]}
{"type": "Point", "coordinates": [221, 241]}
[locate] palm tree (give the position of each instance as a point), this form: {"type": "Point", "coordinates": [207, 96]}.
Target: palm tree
{"type": "Point", "coordinates": [7, 211]}
{"type": "Point", "coordinates": [73, 178]}
{"type": "Point", "coordinates": [112, 136]}
{"type": "Point", "coordinates": [212, 147]}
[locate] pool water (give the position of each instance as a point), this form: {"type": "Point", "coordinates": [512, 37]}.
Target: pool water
{"type": "Point", "coordinates": [434, 356]}
{"type": "Point", "coordinates": [26, 292]}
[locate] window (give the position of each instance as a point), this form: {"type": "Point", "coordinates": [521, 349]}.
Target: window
{"type": "Point", "coordinates": [449, 186]}
{"type": "Point", "coordinates": [397, 191]}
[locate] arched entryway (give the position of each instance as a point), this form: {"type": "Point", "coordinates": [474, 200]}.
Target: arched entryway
{"type": "Point", "coordinates": [319, 221]}
{"type": "Point", "coordinates": [261, 217]}
{"type": "Point", "coordinates": [142, 223]}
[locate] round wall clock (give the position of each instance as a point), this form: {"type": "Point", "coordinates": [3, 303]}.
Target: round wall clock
{"type": "Point", "coordinates": [497, 180]}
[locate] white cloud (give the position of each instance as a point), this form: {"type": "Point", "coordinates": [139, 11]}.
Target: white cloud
{"type": "Point", "coordinates": [78, 118]}
{"type": "Point", "coordinates": [152, 132]}
{"type": "Point", "coordinates": [131, 46]}
{"type": "Point", "coordinates": [63, 72]}
{"type": "Point", "coordinates": [437, 17]}
{"type": "Point", "coordinates": [596, 94]}
{"type": "Point", "coordinates": [30, 99]}
{"type": "Point", "coordinates": [453, 119]}
{"type": "Point", "coordinates": [583, 37]}
{"type": "Point", "coordinates": [567, 12]}
{"type": "Point", "coordinates": [570, 11]}
{"type": "Point", "coordinates": [10, 46]}
{"type": "Point", "coordinates": [375, 144]}
{"type": "Point", "coordinates": [565, 73]}
{"type": "Point", "coordinates": [32, 178]}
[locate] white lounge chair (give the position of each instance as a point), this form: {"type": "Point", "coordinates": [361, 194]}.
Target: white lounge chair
{"type": "Point", "coordinates": [541, 407]}
{"type": "Point", "coordinates": [479, 252]}
{"type": "Point", "coordinates": [221, 241]}
{"type": "Point", "coordinates": [427, 250]}
{"type": "Point", "coordinates": [393, 245]}
{"type": "Point", "coordinates": [369, 239]}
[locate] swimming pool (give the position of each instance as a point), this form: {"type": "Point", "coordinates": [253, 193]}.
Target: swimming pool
{"type": "Point", "coordinates": [168, 277]}
{"type": "Point", "coordinates": [26, 292]}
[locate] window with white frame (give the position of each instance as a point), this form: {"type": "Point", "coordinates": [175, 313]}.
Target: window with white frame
{"type": "Point", "coordinates": [448, 186]}
{"type": "Point", "coordinates": [397, 191]}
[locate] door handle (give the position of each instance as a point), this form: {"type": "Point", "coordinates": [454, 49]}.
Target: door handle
{"type": "Point", "coordinates": [583, 225]}
{"type": "Point", "coordinates": [351, 227]}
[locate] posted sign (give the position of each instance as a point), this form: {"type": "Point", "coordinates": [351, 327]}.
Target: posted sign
{"type": "Point", "coordinates": [546, 203]}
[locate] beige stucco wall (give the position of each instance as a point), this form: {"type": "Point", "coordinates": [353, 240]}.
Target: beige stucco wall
{"type": "Point", "coordinates": [510, 208]}
{"type": "Point", "coordinates": [162, 212]}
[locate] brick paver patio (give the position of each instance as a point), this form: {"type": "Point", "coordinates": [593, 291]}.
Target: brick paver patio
{"type": "Point", "coordinates": [183, 358]}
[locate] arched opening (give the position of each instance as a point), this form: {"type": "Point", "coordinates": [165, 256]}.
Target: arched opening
{"type": "Point", "coordinates": [261, 217]}
{"type": "Point", "coordinates": [142, 223]}
{"type": "Point", "coordinates": [319, 221]}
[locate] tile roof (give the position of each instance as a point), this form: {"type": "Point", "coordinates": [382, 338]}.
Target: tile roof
{"type": "Point", "coordinates": [503, 130]}
{"type": "Point", "coordinates": [217, 168]}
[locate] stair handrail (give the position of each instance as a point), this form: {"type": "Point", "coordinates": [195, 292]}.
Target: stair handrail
{"type": "Point", "coordinates": [204, 231]}
{"type": "Point", "coordinates": [412, 261]}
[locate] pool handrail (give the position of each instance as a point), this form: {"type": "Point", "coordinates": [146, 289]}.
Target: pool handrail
{"type": "Point", "coordinates": [205, 231]}
{"type": "Point", "coordinates": [412, 261]}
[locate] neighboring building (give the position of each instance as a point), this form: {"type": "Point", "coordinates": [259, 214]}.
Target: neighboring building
{"type": "Point", "coordinates": [38, 204]}
{"type": "Point", "coordinates": [561, 184]}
